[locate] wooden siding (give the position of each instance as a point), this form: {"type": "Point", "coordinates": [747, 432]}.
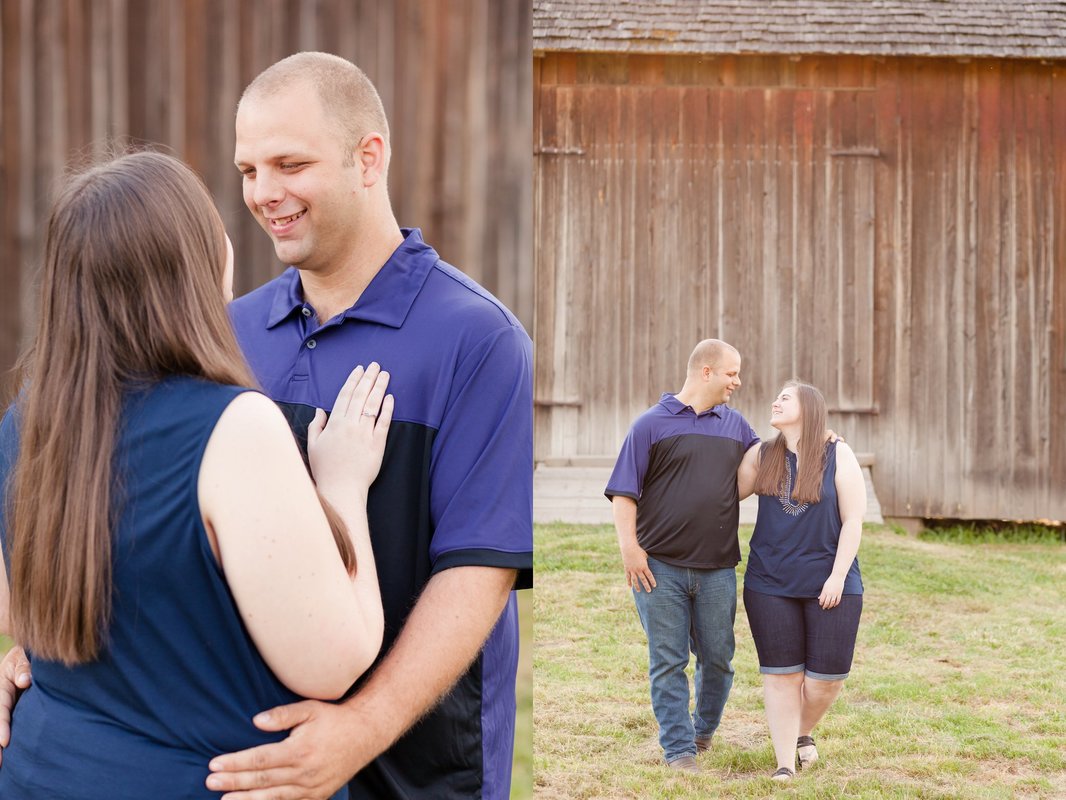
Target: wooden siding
{"type": "Point", "coordinates": [890, 229]}
{"type": "Point", "coordinates": [454, 75]}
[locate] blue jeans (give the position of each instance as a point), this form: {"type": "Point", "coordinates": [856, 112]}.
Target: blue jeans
{"type": "Point", "coordinates": [689, 609]}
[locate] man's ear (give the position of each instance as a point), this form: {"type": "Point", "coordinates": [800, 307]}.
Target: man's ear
{"type": "Point", "coordinates": [706, 372]}
{"type": "Point", "coordinates": [372, 156]}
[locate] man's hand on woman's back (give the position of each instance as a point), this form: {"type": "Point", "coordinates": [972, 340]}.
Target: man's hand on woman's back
{"type": "Point", "coordinates": [14, 677]}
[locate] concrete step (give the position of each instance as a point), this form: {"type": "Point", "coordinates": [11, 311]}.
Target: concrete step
{"type": "Point", "coordinates": [575, 494]}
{"type": "Point", "coordinates": [865, 460]}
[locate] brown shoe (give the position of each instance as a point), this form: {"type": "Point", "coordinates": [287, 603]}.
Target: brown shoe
{"type": "Point", "coordinates": [703, 744]}
{"type": "Point", "coordinates": [685, 763]}
{"type": "Point", "coordinates": [806, 752]}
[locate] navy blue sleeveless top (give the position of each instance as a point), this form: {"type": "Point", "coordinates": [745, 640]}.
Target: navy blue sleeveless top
{"type": "Point", "coordinates": [179, 678]}
{"type": "Point", "coordinates": [794, 545]}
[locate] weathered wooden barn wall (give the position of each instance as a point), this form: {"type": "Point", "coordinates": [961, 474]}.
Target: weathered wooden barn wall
{"type": "Point", "coordinates": [454, 75]}
{"type": "Point", "coordinates": [891, 229]}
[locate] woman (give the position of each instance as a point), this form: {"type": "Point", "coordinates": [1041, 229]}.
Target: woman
{"type": "Point", "coordinates": [170, 565]}
{"type": "Point", "coordinates": [802, 588]}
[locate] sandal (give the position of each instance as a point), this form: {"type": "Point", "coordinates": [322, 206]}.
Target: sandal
{"type": "Point", "coordinates": [783, 775]}
{"type": "Point", "coordinates": [806, 752]}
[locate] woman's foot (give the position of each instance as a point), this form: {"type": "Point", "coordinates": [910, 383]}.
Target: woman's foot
{"type": "Point", "coordinates": [783, 775]}
{"type": "Point", "coordinates": [806, 751]}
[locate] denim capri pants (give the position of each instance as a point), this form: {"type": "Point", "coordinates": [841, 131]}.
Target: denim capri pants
{"type": "Point", "coordinates": [795, 634]}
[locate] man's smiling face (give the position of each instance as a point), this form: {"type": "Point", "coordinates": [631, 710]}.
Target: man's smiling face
{"type": "Point", "coordinates": [299, 182]}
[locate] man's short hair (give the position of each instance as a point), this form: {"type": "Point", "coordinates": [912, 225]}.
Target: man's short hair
{"type": "Point", "coordinates": [709, 353]}
{"type": "Point", "coordinates": [346, 93]}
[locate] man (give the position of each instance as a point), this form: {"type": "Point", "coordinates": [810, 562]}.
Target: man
{"type": "Point", "coordinates": [676, 510]}
{"type": "Point", "coordinates": [451, 511]}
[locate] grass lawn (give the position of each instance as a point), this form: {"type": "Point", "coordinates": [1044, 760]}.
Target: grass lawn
{"type": "Point", "coordinates": [522, 772]}
{"type": "Point", "coordinates": [957, 690]}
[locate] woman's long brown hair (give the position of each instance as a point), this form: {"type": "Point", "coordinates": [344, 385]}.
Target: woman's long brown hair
{"type": "Point", "coordinates": [131, 292]}
{"type": "Point", "coordinates": [770, 479]}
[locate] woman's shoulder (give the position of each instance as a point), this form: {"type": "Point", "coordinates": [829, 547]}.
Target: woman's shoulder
{"type": "Point", "coordinates": [250, 449]}
{"type": "Point", "coordinates": [252, 436]}
{"type": "Point", "coordinates": [250, 413]}
{"type": "Point", "coordinates": [840, 447]}
{"type": "Point", "coordinates": [844, 455]}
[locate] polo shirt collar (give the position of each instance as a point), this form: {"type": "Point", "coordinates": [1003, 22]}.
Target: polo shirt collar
{"type": "Point", "coordinates": [675, 406]}
{"type": "Point", "coordinates": [386, 300]}
{"type": "Point", "coordinates": [288, 296]}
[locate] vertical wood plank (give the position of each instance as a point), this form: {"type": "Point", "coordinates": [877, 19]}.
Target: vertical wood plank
{"type": "Point", "coordinates": [987, 299]}
{"type": "Point", "coordinates": [1056, 428]}
{"type": "Point", "coordinates": [961, 420]}
{"type": "Point", "coordinates": [886, 267]}
{"type": "Point", "coordinates": [14, 240]}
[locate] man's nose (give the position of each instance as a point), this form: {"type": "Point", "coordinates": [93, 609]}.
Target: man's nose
{"type": "Point", "coordinates": [267, 189]}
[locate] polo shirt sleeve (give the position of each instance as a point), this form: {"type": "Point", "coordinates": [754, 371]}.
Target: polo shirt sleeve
{"type": "Point", "coordinates": [627, 480]}
{"type": "Point", "coordinates": [481, 477]}
{"type": "Point", "coordinates": [751, 438]}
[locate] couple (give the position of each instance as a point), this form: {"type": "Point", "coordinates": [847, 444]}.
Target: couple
{"type": "Point", "coordinates": [172, 569]}
{"type": "Point", "coordinates": [682, 471]}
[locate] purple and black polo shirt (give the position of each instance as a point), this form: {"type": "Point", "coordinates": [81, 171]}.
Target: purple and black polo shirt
{"type": "Point", "coordinates": [681, 468]}
{"type": "Point", "coordinates": [455, 488]}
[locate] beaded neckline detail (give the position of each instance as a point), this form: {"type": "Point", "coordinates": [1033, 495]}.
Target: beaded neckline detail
{"type": "Point", "coordinates": [784, 497]}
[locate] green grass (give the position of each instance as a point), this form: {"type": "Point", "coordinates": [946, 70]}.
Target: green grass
{"type": "Point", "coordinates": [993, 533]}
{"type": "Point", "coordinates": [956, 692]}
{"type": "Point", "coordinates": [522, 767]}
